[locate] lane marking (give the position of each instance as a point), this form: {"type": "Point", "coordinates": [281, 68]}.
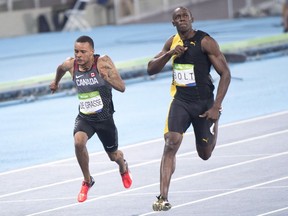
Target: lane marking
{"type": "Point", "coordinates": [143, 164]}
{"type": "Point", "coordinates": [142, 143]}
{"type": "Point", "coordinates": [272, 212]}
{"type": "Point", "coordinates": [175, 180]}
{"type": "Point", "coordinates": [222, 194]}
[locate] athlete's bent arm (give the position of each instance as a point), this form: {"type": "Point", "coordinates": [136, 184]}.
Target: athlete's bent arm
{"type": "Point", "coordinates": [67, 65]}
{"type": "Point", "coordinates": [211, 47]}
{"type": "Point", "coordinates": [160, 60]}
{"type": "Point", "coordinates": [109, 72]}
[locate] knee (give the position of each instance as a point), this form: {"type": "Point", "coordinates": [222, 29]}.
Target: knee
{"type": "Point", "coordinates": [79, 145]}
{"type": "Point", "coordinates": [80, 142]}
{"type": "Point", "coordinates": [204, 156]}
{"type": "Point", "coordinates": [204, 152]}
{"type": "Point", "coordinates": [114, 156]}
{"type": "Point", "coordinates": [172, 143]}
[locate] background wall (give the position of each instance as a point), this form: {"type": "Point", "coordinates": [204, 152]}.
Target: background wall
{"type": "Point", "coordinates": [23, 22]}
{"type": "Point", "coordinates": [20, 17]}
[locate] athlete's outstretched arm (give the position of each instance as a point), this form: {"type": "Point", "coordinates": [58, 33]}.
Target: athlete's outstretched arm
{"type": "Point", "coordinates": [109, 72]}
{"type": "Point", "coordinates": [67, 65]}
{"type": "Point", "coordinates": [211, 47]}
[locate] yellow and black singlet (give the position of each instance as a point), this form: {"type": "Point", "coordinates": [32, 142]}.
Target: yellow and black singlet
{"type": "Point", "coordinates": [191, 71]}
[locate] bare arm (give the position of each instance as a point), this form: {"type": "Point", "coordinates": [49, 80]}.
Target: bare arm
{"type": "Point", "coordinates": [211, 47]}
{"type": "Point", "coordinates": [160, 60]}
{"type": "Point", "coordinates": [67, 65]}
{"type": "Point", "coordinates": [109, 72]}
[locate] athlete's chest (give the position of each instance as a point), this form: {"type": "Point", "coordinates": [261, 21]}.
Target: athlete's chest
{"type": "Point", "coordinates": [88, 78]}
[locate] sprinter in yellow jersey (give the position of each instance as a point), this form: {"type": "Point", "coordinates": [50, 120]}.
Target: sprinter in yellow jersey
{"type": "Point", "coordinates": [192, 52]}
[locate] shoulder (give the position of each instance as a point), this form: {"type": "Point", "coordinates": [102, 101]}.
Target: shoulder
{"type": "Point", "coordinates": [208, 40]}
{"type": "Point", "coordinates": [171, 40]}
{"type": "Point", "coordinates": [104, 59]}
{"type": "Point", "coordinates": [68, 63]}
{"type": "Point", "coordinates": [210, 45]}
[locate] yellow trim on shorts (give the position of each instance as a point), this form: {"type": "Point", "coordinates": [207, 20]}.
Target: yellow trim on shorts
{"type": "Point", "coordinates": [176, 41]}
{"type": "Point", "coordinates": [166, 129]}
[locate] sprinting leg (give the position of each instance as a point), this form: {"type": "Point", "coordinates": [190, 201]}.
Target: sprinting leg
{"type": "Point", "coordinates": [168, 164]}
{"type": "Point", "coordinates": [126, 176]}
{"type": "Point", "coordinates": [206, 145]}
{"type": "Point", "coordinates": [118, 157]}
{"type": "Point", "coordinates": [80, 140]}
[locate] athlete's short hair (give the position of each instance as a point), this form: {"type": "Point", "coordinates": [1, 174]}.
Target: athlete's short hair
{"type": "Point", "coordinates": [85, 38]}
{"type": "Point", "coordinates": [182, 8]}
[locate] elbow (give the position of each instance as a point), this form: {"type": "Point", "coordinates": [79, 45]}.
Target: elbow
{"type": "Point", "coordinates": [151, 71]}
{"type": "Point", "coordinates": [122, 89]}
{"type": "Point", "coordinates": [226, 76]}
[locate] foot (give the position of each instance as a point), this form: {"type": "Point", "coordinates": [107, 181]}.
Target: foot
{"type": "Point", "coordinates": [126, 177]}
{"type": "Point", "coordinates": [82, 196]}
{"type": "Point", "coordinates": [161, 204]}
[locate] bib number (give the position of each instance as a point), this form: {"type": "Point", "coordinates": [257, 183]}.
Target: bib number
{"type": "Point", "coordinates": [184, 75]}
{"type": "Point", "coordinates": [90, 103]}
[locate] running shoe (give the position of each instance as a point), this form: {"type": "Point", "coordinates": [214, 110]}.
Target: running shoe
{"type": "Point", "coordinates": [161, 204]}
{"type": "Point", "coordinates": [126, 177]}
{"type": "Point", "coordinates": [82, 196]}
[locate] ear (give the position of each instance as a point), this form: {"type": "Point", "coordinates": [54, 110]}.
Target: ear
{"type": "Point", "coordinates": [192, 19]}
{"type": "Point", "coordinates": [173, 23]}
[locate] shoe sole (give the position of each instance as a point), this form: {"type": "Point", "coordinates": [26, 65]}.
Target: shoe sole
{"type": "Point", "coordinates": [159, 207]}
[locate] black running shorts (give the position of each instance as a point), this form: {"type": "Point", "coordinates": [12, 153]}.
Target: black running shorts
{"type": "Point", "coordinates": [181, 115]}
{"type": "Point", "coordinates": [106, 131]}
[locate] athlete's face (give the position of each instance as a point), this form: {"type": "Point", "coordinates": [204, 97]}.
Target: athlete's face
{"type": "Point", "coordinates": [83, 53]}
{"type": "Point", "coordinates": [182, 19]}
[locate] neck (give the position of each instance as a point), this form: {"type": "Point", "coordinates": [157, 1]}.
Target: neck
{"type": "Point", "coordinates": [87, 66]}
{"type": "Point", "coordinates": [187, 35]}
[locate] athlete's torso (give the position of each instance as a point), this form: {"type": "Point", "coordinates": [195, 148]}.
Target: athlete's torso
{"type": "Point", "coordinates": [191, 71]}
{"type": "Point", "coordinates": [94, 93]}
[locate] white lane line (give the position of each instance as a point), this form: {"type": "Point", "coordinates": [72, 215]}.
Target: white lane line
{"type": "Point", "coordinates": [223, 194]}
{"type": "Point", "coordinates": [142, 143]}
{"type": "Point", "coordinates": [273, 212]}
{"type": "Point", "coordinates": [174, 180]}
{"type": "Point", "coordinates": [141, 164]}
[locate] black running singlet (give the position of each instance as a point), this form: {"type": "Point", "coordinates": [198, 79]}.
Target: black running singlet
{"type": "Point", "coordinates": [94, 93]}
{"type": "Point", "coordinates": [191, 71]}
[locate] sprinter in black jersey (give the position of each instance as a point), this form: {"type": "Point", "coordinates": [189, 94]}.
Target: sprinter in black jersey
{"type": "Point", "coordinates": [192, 52]}
{"type": "Point", "coordinates": [94, 77]}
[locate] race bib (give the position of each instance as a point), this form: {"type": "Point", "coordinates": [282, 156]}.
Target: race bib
{"type": "Point", "coordinates": [90, 103]}
{"type": "Point", "coordinates": [184, 74]}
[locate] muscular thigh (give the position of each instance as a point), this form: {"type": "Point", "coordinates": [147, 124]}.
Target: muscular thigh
{"type": "Point", "coordinates": [178, 119]}
{"type": "Point", "coordinates": [105, 130]}
{"type": "Point", "coordinates": [203, 128]}
{"type": "Point", "coordinates": [83, 125]}
{"type": "Point", "coordinates": [108, 134]}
